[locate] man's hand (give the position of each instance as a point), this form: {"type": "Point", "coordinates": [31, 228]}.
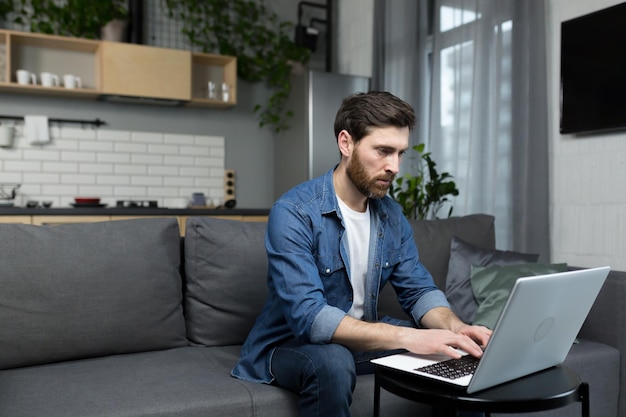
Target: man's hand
{"type": "Point", "coordinates": [428, 341]}
{"type": "Point", "coordinates": [476, 337]}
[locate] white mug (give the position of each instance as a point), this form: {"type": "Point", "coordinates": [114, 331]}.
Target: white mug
{"type": "Point", "coordinates": [49, 79]}
{"type": "Point", "coordinates": [26, 77]}
{"type": "Point", "coordinates": [6, 136]}
{"type": "Point", "coordinates": [72, 81]}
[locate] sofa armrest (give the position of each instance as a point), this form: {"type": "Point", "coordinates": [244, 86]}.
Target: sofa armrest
{"type": "Point", "coordinates": [606, 323]}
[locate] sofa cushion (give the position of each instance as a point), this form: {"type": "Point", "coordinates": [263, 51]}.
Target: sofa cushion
{"type": "Point", "coordinates": [187, 381]}
{"type": "Point", "coordinates": [226, 279]}
{"type": "Point", "coordinates": [464, 254]}
{"type": "Point", "coordinates": [433, 239]}
{"type": "Point", "coordinates": [492, 286]}
{"type": "Point", "coordinates": [87, 290]}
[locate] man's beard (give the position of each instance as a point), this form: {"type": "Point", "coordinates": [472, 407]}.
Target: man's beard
{"type": "Point", "coordinates": [369, 187]}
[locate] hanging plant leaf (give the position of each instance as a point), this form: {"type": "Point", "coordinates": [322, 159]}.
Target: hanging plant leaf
{"type": "Point", "coordinates": [254, 34]}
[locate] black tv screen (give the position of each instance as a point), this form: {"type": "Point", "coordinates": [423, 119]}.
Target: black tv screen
{"type": "Point", "coordinates": [593, 71]}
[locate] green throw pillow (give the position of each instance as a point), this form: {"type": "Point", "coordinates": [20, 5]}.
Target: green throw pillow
{"type": "Point", "coordinates": [493, 284]}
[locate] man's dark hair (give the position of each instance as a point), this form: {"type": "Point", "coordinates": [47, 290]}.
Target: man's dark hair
{"type": "Point", "coordinates": [362, 111]}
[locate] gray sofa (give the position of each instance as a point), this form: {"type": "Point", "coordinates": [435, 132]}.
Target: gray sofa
{"type": "Point", "coordinates": [125, 318]}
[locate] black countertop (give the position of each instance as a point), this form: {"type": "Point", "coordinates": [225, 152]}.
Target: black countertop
{"type": "Point", "coordinates": [135, 211]}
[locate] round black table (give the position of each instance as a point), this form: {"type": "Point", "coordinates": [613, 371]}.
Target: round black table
{"type": "Point", "coordinates": [553, 388]}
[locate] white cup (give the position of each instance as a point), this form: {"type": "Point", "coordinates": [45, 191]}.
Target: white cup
{"type": "Point", "coordinates": [211, 90]}
{"type": "Point", "coordinates": [72, 81]}
{"type": "Point", "coordinates": [26, 77]}
{"type": "Point", "coordinates": [49, 79]}
{"type": "Point", "coordinates": [225, 92]}
{"type": "Point", "coordinates": [6, 136]}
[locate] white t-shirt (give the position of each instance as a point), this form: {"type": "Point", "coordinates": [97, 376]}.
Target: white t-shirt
{"type": "Point", "coordinates": [358, 234]}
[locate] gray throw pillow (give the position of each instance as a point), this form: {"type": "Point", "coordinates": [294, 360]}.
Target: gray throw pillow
{"type": "Point", "coordinates": [492, 286]}
{"type": "Point", "coordinates": [88, 290]}
{"type": "Point", "coordinates": [458, 285]}
{"type": "Point", "coordinates": [226, 279]}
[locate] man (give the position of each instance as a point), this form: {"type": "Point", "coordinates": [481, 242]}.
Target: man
{"type": "Point", "coordinates": [332, 244]}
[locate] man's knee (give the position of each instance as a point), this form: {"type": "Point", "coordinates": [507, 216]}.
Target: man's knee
{"type": "Point", "coordinates": [326, 365]}
{"type": "Point", "coordinates": [334, 362]}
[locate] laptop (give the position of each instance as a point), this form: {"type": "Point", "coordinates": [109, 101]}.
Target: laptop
{"type": "Point", "coordinates": [535, 331]}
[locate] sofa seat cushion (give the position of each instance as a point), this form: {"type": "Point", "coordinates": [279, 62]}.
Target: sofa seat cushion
{"type": "Point", "coordinates": [87, 290]}
{"type": "Point", "coordinates": [185, 381]}
{"type": "Point", "coordinates": [191, 381]}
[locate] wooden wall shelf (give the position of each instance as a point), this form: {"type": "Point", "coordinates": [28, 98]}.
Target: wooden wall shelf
{"type": "Point", "coordinates": [115, 68]}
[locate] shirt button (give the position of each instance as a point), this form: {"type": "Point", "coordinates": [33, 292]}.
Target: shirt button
{"type": "Point", "coordinates": [386, 263]}
{"type": "Point", "coordinates": [328, 270]}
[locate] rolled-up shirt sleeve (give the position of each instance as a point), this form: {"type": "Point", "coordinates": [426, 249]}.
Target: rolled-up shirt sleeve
{"type": "Point", "coordinates": [325, 324]}
{"type": "Point", "coordinates": [428, 301]}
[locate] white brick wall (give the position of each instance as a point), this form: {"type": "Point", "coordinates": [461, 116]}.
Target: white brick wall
{"type": "Point", "coordinates": [588, 173]}
{"type": "Point", "coordinates": [114, 165]}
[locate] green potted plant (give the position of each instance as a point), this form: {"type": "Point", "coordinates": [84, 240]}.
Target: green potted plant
{"type": "Point", "coordinates": [79, 18]}
{"type": "Point", "coordinates": [423, 194]}
{"type": "Point", "coordinates": [253, 33]}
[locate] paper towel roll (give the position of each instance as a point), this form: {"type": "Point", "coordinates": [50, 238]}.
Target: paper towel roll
{"type": "Point", "coordinates": [36, 130]}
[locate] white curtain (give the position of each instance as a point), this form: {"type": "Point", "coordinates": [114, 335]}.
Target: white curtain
{"type": "Point", "coordinates": [483, 106]}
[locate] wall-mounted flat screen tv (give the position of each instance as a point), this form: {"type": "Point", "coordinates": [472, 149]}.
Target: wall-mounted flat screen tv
{"type": "Point", "coordinates": [593, 71]}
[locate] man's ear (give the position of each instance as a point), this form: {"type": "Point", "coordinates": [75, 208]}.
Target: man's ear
{"type": "Point", "coordinates": [345, 143]}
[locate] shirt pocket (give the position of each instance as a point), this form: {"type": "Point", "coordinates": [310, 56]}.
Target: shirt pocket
{"type": "Point", "coordinates": [334, 277]}
{"type": "Point", "coordinates": [391, 259]}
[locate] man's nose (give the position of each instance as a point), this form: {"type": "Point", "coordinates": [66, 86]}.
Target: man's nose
{"type": "Point", "coordinates": [393, 164]}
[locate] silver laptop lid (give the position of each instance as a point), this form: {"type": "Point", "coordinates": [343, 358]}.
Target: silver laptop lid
{"type": "Point", "coordinates": [538, 325]}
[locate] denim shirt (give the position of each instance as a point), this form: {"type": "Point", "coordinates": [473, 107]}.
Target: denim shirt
{"type": "Point", "coordinates": [308, 273]}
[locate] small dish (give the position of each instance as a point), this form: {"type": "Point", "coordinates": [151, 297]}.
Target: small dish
{"type": "Point", "coordinates": [87, 200]}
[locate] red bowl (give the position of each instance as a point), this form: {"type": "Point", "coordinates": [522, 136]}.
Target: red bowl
{"type": "Point", "coordinates": [86, 200]}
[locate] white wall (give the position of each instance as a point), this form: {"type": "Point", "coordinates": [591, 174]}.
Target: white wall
{"type": "Point", "coordinates": [355, 37]}
{"type": "Point", "coordinates": [588, 174]}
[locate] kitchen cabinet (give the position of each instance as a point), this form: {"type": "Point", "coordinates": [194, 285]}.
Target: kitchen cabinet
{"type": "Point", "coordinates": [16, 219]}
{"type": "Point", "coordinates": [39, 53]}
{"type": "Point", "coordinates": [220, 70]}
{"type": "Point", "coordinates": [116, 70]}
{"type": "Point", "coordinates": [57, 220]}
{"type": "Point", "coordinates": [145, 71]}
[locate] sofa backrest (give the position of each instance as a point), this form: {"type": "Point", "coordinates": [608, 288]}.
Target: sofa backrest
{"type": "Point", "coordinates": [88, 290]}
{"type": "Point", "coordinates": [226, 271]}
{"type": "Point", "coordinates": [225, 279]}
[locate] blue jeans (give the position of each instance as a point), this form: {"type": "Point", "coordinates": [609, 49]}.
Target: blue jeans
{"type": "Point", "coordinates": [323, 375]}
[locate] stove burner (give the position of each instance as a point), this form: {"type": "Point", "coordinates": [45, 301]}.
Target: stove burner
{"type": "Point", "coordinates": [137, 204]}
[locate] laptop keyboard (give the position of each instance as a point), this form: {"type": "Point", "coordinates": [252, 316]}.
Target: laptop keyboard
{"type": "Point", "coordinates": [452, 368]}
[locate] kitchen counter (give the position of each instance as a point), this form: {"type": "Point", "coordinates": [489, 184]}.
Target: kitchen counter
{"type": "Point", "coordinates": [134, 211]}
{"type": "Point", "coordinates": [66, 215]}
